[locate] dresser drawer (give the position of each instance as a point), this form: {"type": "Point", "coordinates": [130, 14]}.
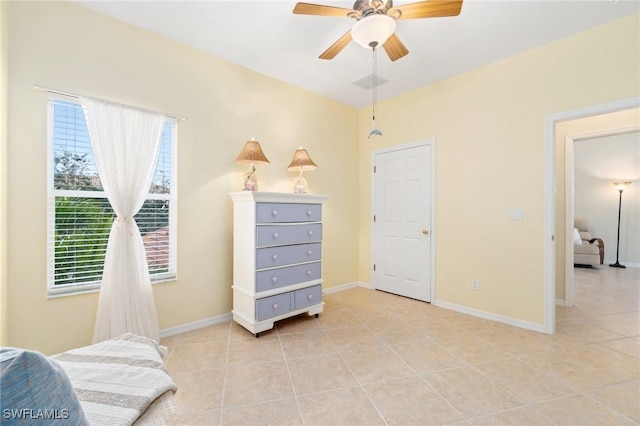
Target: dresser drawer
{"type": "Point", "coordinates": [276, 235]}
{"type": "Point", "coordinates": [282, 212]}
{"type": "Point", "coordinates": [307, 296]}
{"type": "Point", "coordinates": [271, 257]}
{"type": "Point", "coordinates": [273, 306]}
{"type": "Point", "coordinates": [281, 277]}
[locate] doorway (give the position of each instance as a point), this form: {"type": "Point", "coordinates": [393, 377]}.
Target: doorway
{"type": "Point", "coordinates": [602, 134]}
{"type": "Point", "coordinates": [403, 231]}
{"type": "Point", "coordinates": [550, 222]}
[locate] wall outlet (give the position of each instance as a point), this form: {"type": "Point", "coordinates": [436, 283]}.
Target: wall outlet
{"type": "Point", "coordinates": [475, 285]}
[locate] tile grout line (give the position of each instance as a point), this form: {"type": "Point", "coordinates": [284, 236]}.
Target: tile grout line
{"type": "Point", "coordinates": [224, 374]}
{"type": "Point", "coordinates": [586, 395]}
{"type": "Point", "coordinates": [286, 364]}
{"type": "Point", "coordinates": [384, 420]}
{"type": "Point", "coordinates": [423, 379]}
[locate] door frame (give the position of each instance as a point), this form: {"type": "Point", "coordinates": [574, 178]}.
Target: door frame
{"type": "Point", "coordinates": [432, 226]}
{"type": "Point", "coordinates": [569, 179]}
{"type": "Point", "coordinates": [550, 195]}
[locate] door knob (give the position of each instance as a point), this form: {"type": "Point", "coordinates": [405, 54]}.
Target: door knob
{"type": "Point", "coordinates": [425, 231]}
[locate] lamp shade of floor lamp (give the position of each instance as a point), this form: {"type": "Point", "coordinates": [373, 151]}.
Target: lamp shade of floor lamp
{"type": "Point", "coordinates": [251, 153]}
{"type": "Point", "coordinates": [620, 186]}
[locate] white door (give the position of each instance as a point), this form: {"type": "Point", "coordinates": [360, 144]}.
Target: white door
{"type": "Point", "coordinates": [402, 234]}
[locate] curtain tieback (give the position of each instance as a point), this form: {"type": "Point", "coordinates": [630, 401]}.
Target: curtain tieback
{"type": "Point", "coordinates": [128, 219]}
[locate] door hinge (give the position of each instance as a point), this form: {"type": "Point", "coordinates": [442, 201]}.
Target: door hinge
{"type": "Point", "coordinates": [374, 217]}
{"type": "Point", "coordinates": [374, 266]}
{"type": "Point", "coordinates": [374, 169]}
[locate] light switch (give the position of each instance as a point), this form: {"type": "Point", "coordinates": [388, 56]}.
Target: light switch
{"type": "Point", "coordinates": [516, 214]}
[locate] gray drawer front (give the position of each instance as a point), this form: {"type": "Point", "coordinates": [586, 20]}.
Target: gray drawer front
{"type": "Point", "coordinates": [307, 296]}
{"type": "Point", "coordinates": [280, 277]}
{"type": "Point", "coordinates": [282, 212]}
{"type": "Point", "coordinates": [271, 257]}
{"type": "Point", "coordinates": [276, 235]}
{"type": "Point", "coordinates": [273, 306]}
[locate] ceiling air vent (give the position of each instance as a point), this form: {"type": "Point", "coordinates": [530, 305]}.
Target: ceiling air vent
{"type": "Point", "coordinates": [366, 82]}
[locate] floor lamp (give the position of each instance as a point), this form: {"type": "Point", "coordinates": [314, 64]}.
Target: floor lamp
{"type": "Point", "coordinates": [620, 186]}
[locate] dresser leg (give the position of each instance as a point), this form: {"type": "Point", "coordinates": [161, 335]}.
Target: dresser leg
{"type": "Point", "coordinates": [257, 335]}
{"type": "Point", "coordinates": [317, 315]}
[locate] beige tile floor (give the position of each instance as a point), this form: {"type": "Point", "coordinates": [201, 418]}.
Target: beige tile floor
{"type": "Point", "coordinates": [375, 358]}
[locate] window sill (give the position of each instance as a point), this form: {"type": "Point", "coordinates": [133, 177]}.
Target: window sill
{"type": "Point", "coordinates": [95, 287]}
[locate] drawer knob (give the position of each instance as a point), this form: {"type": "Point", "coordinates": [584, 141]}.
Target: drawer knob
{"type": "Point", "coordinates": [274, 279]}
{"type": "Point", "coordinates": [308, 252]}
{"type": "Point", "coordinates": [309, 273]}
{"type": "Point", "coordinates": [275, 306]}
{"type": "Point", "coordinates": [310, 233]}
{"type": "Point", "coordinates": [274, 212]}
{"type": "Point", "coordinates": [310, 296]}
{"type": "Point", "coordinates": [309, 212]}
{"type": "Point", "coordinates": [274, 257]}
{"type": "Point", "coordinates": [275, 235]}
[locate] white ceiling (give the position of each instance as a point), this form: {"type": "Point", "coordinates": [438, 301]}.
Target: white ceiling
{"type": "Point", "coordinates": [266, 37]}
{"type": "Point", "coordinates": [609, 158]}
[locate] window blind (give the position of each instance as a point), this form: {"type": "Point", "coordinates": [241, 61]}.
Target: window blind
{"type": "Point", "coordinates": [80, 216]}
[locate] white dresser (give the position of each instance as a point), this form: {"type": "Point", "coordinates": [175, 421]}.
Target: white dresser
{"type": "Point", "coordinates": [277, 257]}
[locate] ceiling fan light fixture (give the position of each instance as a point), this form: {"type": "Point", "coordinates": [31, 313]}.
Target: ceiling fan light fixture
{"type": "Point", "coordinates": [373, 29]}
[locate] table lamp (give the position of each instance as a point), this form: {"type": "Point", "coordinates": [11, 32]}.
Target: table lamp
{"type": "Point", "coordinates": [251, 153]}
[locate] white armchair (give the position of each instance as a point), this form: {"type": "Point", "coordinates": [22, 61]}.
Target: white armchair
{"type": "Point", "coordinates": [587, 251]}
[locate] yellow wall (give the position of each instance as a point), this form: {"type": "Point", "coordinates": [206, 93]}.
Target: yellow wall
{"type": "Point", "coordinates": [488, 124]}
{"type": "Point", "coordinates": [4, 319]}
{"type": "Point", "coordinates": [604, 122]}
{"type": "Point", "coordinates": [489, 129]}
{"type": "Point", "coordinates": [67, 47]}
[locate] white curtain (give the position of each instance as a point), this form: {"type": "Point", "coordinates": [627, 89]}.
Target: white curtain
{"type": "Point", "coordinates": [125, 143]}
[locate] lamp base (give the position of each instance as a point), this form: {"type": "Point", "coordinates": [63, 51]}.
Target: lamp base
{"type": "Point", "coordinates": [617, 265]}
{"type": "Point", "coordinates": [250, 180]}
{"type": "Point", "coordinates": [300, 185]}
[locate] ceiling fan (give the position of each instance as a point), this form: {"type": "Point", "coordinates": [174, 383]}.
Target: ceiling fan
{"type": "Point", "coordinates": [378, 15]}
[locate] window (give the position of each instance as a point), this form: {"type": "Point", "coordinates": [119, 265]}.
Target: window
{"type": "Point", "coordinates": [80, 215]}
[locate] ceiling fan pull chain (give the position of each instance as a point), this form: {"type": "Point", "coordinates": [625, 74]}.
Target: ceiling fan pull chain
{"type": "Point", "coordinates": [375, 82]}
{"type": "Point", "coordinates": [374, 130]}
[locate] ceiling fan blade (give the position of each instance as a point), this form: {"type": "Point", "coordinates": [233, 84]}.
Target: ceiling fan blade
{"type": "Point", "coordinates": [430, 9]}
{"type": "Point", "coordinates": [337, 47]}
{"type": "Point", "coordinates": [395, 48]}
{"type": "Point", "coordinates": [318, 9]}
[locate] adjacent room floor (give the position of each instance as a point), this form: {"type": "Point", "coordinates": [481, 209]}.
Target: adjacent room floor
{"type": "Point", "coordinates": [375, 358]}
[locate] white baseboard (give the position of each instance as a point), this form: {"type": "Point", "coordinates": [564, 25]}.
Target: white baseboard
{"type": "Point", "coordinates": [171, 331]}
{"type": "Point", "coordinates": [446, 305]}
{"type": "Point", "coordinates": [491, 316]}
{"type": "Point", "coordinates": [347, 286]}
{"type": "Point", "coordinates": [184, 328]}
{"type": "Point", "coordinates": [560, 302]}
{"type": "Point", "coordinates": [458, 308]}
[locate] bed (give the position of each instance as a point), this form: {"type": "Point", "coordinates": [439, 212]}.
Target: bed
{"type": "Point", "coordinates": [121, 381]}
